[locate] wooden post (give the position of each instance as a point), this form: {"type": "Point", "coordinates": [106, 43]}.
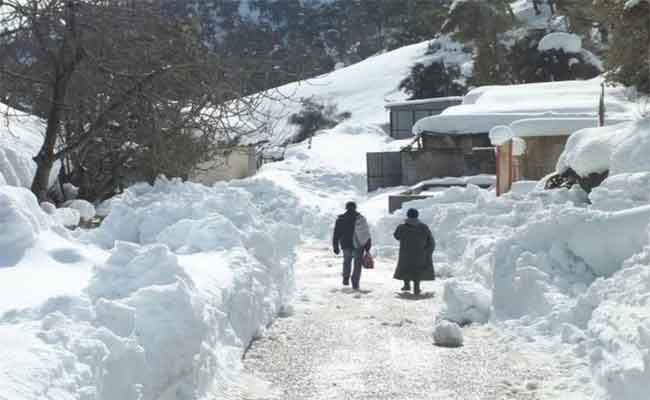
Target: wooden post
{"type": "Point", "coordinates": [601, 105]}
{"type": "Point", "coordinates": [504, 168]}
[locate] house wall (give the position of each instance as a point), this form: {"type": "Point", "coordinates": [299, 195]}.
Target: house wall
{"type": "Point", "coordinates": [403, 117]}
{"type": "Point", "coordinates": [232, 163]}
{"type": "Point", "coordinates": [542, 153]}
{"type": "Point", "coordinates": [433, 163]}
{"type": "Point", "coordinates": [441, 156]}
{"type": "Point", "coordinates": [464, 142]}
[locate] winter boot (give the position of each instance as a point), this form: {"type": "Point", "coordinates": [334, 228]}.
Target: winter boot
{"type": "Point", "coordinates": [346, 281]}
{"type": "Point", "coordinates": [406, 287]}
{"type": "Point", "coordinates": [416, 288]}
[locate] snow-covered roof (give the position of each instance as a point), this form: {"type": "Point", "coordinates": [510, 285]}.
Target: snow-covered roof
{"type": "Point", "coordinates": [486, 107]}
{"type": "Point", "coordinates": [621, 148]}
{"type": "Point", "coordinates": [432, 100]}
{"type": "Point", "coordinates": [557, 126]}
{"type": "Point", "coordinates": [534, 127]}
{"type": "Point", "coordinates": [467, 124]}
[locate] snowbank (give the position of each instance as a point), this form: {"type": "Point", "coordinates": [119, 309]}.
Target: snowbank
{"type": "Point", "coordinates": [194, 273]}
{"type": "Point", "coordinates": [21, 221]}
{"type": "Point", "coordinates": [466, 302]}
{"type": "Point", "coordinates": [549, 267]}
{"type": "Point", "coordinates": [86, 210]}
{"type": "Point", "coordinates": [621, 148]}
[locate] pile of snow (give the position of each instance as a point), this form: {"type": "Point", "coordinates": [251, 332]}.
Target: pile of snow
{"type": "Point", "coordinates": [568, 42]}
{"type": "Point", "coordinates": [466, 302]}
{"type": "Point", "coordinates": [38, 261]}
{"type": "Point", "coordinates": [189, 276]}
{"type": "Point", "coordinates": [68, 217]}
{"type": "Point", "coordinates": [622, 191]}
{"type": "Point", "coordinates": [86, 209]}
{"type": "Point", "coordinates": [621, 148]}
{"type": "Point", "coordinates": [21, 221]}
{"type": "Point", "coordinates": [447, 334]}
{"type": "Point", "coordinates": [565, 270]}
{"type": "Point", "coordinates": [618, 327]}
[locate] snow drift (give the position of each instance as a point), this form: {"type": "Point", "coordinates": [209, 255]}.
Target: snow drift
{"type": "Point", "coordinates": [562, 268]}
{"type": "Point", "coordinates": [192, 274]}
{"type": "Point", "coordinates": [621, 148]}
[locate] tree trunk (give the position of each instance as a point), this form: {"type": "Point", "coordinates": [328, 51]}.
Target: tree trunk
{"type": "Point", "coordinates": [45, 158]}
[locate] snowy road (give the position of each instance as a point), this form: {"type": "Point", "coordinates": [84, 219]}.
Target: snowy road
{"type": "Point", "coordinates": [377, 344]}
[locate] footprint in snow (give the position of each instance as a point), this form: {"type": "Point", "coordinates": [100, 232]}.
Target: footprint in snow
{"type": "Point", "coordinates": [66, 255]}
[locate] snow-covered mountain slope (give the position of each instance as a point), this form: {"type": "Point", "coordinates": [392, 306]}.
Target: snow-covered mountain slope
{"type": "Point", "coordinates": [361, 89]}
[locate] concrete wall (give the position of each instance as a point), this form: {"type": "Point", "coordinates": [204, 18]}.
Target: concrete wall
{"type": "Point", "coordinates": [464, 142]}
{"type": "Point", "coordinates": [231, 163]}
{"type": "Point", "coordinates": [426, 164]}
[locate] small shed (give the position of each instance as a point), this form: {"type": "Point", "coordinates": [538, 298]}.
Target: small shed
{"type": "Point", "coordinates": [232, 162]}
{"type": "Point", "coordinates": [404, 114]}
{"type": "Point", "coordinates": [528, 149]}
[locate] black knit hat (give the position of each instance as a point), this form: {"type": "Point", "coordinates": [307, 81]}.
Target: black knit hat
{"type": "Point", "coordinates": [351, 205]}
{"type": "Point", "coordinates": [412, 213]}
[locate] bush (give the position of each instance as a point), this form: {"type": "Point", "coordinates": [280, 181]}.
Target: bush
{"type": "Point", "coordinates": [529, 65]}
{"type": "Point", "coordinates": [434, 80]}
{"type": "Point", "coordinates": [315, 116]}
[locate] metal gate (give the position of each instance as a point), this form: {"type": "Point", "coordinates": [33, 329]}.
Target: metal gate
{"type": "Point", "coordinates": [384, 169]}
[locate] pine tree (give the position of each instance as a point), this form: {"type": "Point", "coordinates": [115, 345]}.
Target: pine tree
{"type": "Point", "coordinates": [481, 22]}
{"type": "Point", "coordinates": [628, 54]}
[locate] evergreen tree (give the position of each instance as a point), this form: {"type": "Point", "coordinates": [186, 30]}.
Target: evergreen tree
{"type": "Point", "coordinates": [481, 22]}
{"type": "Point", "coordinates": [434, 80]}
{"type": "Point", "coordinates": [628, 55]}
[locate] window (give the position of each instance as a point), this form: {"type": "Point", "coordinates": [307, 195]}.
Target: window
{"type": "Point", "coordinates": [404, 120]}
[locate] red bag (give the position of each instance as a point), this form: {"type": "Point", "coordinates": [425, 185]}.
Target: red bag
{"type": "Point", "coordinates": [367, 261]}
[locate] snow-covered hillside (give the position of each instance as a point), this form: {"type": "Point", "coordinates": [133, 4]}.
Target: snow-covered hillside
{"type": "Point", "coordinates": [361, 89]}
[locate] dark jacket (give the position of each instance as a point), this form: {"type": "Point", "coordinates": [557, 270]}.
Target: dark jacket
{"type": "Point", "coordinates": [344, 231]}
{"type": "Point", "coordinates": [416, 245]}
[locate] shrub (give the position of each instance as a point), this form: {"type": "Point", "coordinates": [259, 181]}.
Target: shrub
{"type": "Point", "coordinates": [434, 80]}
{"type": "Point", "coordinates": [315, 116]}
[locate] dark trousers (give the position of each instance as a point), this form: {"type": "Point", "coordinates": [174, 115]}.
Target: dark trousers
{"type": "Point", "coordinates": [350, 255]}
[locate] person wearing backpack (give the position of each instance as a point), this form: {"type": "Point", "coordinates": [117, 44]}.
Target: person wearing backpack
{"type": "Point", "coordinates": [352, 235]}
{"type": "Point", "coordinates": [416, 246]}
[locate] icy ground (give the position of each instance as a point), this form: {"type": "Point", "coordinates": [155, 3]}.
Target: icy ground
{"type": "Point", "coordinates": [377, 344]}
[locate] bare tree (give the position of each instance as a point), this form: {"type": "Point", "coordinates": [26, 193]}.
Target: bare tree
{"type": "Point", "coordinates": [124, 89]}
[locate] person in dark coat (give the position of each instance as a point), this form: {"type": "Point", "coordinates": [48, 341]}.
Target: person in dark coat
{"type": "Point", "coordinates": [416, 245]}
{"type": "Point", "coordinates": [351, 233]}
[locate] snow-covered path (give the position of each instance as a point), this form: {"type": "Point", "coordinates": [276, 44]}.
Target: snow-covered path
{"type": "Point", "coordinates": [377, 344]}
